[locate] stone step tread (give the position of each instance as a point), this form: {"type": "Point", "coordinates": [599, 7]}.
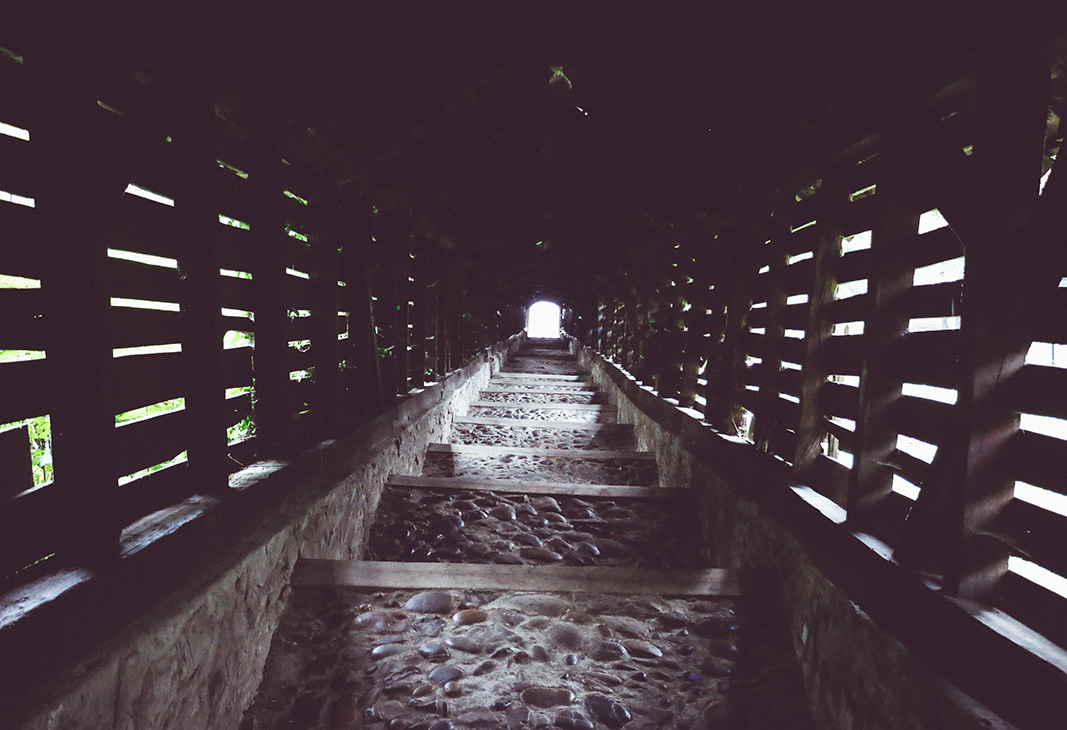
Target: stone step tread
{"type": "Point", "coordinates": [539, 578]}
{"type": "Point", "coordinates": [521, 486]}
{"type": "Point", "coordinates": [544, 406]}
{"type": "Point", "coordinates": [524, 423]}
{"type": "Point", "coordinates": [595, 454]}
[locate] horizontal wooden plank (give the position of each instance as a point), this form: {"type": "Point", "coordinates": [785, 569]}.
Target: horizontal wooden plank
{"type": "Point", "coordinates": [548, 390]}
{"type": "Point", "coordinates": [20, 255]}
{"type": "Point", "coordinates": [923, 419]}
{"type": "Point", "coordinates": [237, 293]}
{"type": "Point", "coordinates": [1037, 534]}
{"type": "Point", "coordinates": [758, 317]}
{"type": "Point", "coordinates": [230, 194]}
{"type": "Point", "coordinates": [236, 247]}
{"type": "Point", "coordinates": [803, 240]}
{"type": "Point", "coordinates": [933, 300]}
{"type": "Point", "coordinates": [795, 316]}
{"type": "Point", "coordinates": [583, 454]}
{"type": "Point", "coordinates": [141, 380]}
{"type": "Point", "coordinates": [914, 470]}
{"type": "Point", "coordinates": [237, 367]}
{"type": "Point", "coordinates": [144, 226]}
{"type": "Point", "coordinates": [798, 278]}
{"type": "Point", "coordinates": [546, 406]}
{"type": "Point", "coordinates": [25, 391]}
{"type": "Point", "coordinates": [150, 441]}
{"type": "Point", "coordinates": [1038, 459]}
{"type": "Point", "coordinates": [789, 381]}
{"type": "Point", "coordinates": [18, 174]}
{"type": "Point", "coordinates": [792, 349]}
{"type": "Point", "coordinates": [557, 579]}
{"type": "Point", "coordinates": [855, 265]}
{"type": "Point", "coordinates": [861, 215]}
{"type": "Point", "coordinates": [1030, 389]}
{"type": "Point", "coordinates": [522, 486]}
{"type": "Point", "coordinates": [928, 358]}
{"type": "Point", "coordinates": [836, 399]}
{"type": "Point", "coordinates": [505, 377]}
{"type": "Point", "coordinates": [783, 441]}
{"type": "Point", "coordinates": [523, 423]}
{"type": "Point", "coordinates": [1049, 322]}
{"type": "Point", "coordinates": [22, 322]}
{"type": "Point", "coordinates": [299, 328]}
{"type": "Point", "coordinates": [296, 359]}
{"type": "Point", "coordinates": [853, 309]}
{"type": "Point", "coordinates": [931, 247]}
{"type": "Point", "coordinates": [132, 327]}
{"type": "Point", "coordinates": [132, 280]}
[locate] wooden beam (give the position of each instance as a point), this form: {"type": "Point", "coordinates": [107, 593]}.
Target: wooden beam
{"type": "Point", "coordinates": [558, 579]}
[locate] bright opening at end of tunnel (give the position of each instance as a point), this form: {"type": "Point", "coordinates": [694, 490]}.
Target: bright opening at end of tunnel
{"type": "Point", "coordinates": [543, 320]}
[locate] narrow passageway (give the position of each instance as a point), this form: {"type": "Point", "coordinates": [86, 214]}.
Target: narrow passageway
{"type": "Point", "coordinates": [535, 574]}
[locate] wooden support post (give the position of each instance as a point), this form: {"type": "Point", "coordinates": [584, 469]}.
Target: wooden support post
{"type": "Point", "coordinates": [870, 480]}
{"type": "Point", "coordinates": [366, 397]}
{"type": "Point", "coordinates": [1012, 108]}
{"type": "Point", "coordinates": [273, 407]}
{"type": "Point", "coordinates": [419, 313]}
{"type": "Point", "coordinates": [325, 305]}
{"type": "Point", "coordinates": [832, 201]}
{"type": "Point", "coordinates": [767, 426]}
{"type": "Point", "coordinates": [77, 303]}
{"type": "Point", "coordinates": [199, 261]}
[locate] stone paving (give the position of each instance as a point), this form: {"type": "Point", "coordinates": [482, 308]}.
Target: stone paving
{"type": "Point", "coordinates": [431, 659]}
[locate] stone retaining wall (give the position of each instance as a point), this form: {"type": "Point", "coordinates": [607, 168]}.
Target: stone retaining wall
{"type": "Point", "coordinates": [857, 674]}
{"type": "Point", "coordinates": [196, 661]}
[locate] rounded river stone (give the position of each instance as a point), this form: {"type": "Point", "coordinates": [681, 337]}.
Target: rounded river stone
{"type": "Point", "coordinates": [607, 711]}
{"type": "Point", "coordinates": [547, 696]}
{"type": "Point", "coordinates": [608, 651]}
{"type": "Point", "coordinates": [573, 720]}
{"type": "Point", "coordinates": [444, 674]}
{"type": "Point", "coordinates": [430, 602]}
{"type": "Point", "coordinates": [470, 616]}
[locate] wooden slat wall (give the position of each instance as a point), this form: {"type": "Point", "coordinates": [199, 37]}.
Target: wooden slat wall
{"type": "Point", "coordinates": [235, 201]}
{"type": "Point", "coordinates": [737, 333]}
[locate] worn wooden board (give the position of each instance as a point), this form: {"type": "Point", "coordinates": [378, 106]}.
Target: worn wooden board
{"type": "Point", "coordinates": [545, 406]}
{"type": "Point", "coordinates": [520, 486]}
{"type": "Point", "coordinates": [503, 388]}
{"type": "Point", "coordinates": [558, 579]}
{"type": "Point", "coordinates": [523, 423]}
{"type": "Point", "coordinates": [480, 450]}
{"type": "Point", "coordinates": [514, 376]}
{"type": "Point", "coordinates": [16, 466]}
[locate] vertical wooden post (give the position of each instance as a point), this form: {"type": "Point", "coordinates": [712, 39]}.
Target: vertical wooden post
{"type": "Point", "coordinates": [766, 419]}
{"type": "Point", "coordinates": [71, 209]}
{"type": "Point", "coordinates": [832, 201]}
{"type": "Point", "coordinates": [737, 282]}
{"type": "Point", "coordinates": [870, 480]}
{"type": "Point", "coordinates": [419, 313]}
{"type": "Point", "coordinates": [325, 305]}
{"type": "Point", "coordinates": [205, 395]}
{"type": "Point", "coordinates": [267, 228]}
{"type": "Point", "coordinates": [1012, 109]}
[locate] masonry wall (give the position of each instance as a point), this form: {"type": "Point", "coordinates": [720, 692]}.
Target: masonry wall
{"type": "Point", "coordinates": [196, 661]}
{"type": "Point", "coordinates": [857, 674]}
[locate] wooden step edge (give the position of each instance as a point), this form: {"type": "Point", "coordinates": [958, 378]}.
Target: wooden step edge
{"type": "Point", "coordinates": [527, 423]}
{"type": "Point", "coordinates": [521, 486]}
{"type": "Point", "coordinates": [711, 582]}
{"type": "Point", "coordinates": [503, 388]}
{"type": "Point", "coordinates": [549, 406]}
{"type": "Point", "coordinates": [562, 377]}
{"type": "Point", "coordinates": [589, 454]}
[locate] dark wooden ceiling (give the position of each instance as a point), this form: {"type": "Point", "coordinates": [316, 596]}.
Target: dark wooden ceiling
{"type": "Point", "coordinates": [673, 118]}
